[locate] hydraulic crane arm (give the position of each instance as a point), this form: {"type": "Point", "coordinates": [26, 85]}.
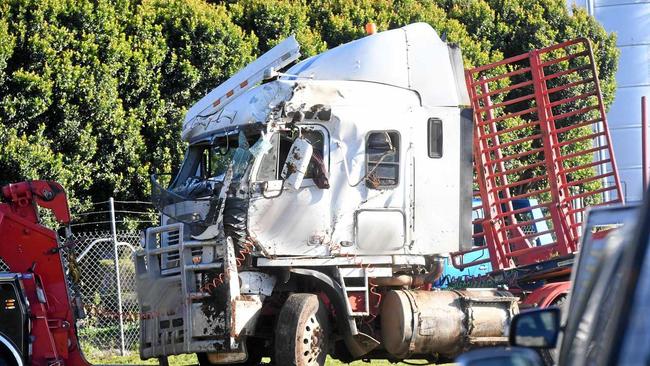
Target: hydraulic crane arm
{"type": "Point", "coordinates": [22, 197]}
{"type": "Point", "coordinates": [33, 254]}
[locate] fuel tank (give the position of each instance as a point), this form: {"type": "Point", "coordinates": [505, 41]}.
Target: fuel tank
{"type": "Point", "coordinates": [446, 323]}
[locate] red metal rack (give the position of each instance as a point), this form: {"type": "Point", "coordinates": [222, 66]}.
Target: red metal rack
{"type": "Point", "coordinates": [540, 133]}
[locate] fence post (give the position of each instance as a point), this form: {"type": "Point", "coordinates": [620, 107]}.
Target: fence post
{"type": "Point", "coordinates": [117, 275]}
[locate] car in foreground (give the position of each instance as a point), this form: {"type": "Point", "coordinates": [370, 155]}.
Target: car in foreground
{"type": "Point", "coordinates": [607, 318]}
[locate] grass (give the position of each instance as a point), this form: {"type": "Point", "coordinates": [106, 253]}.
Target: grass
{"type": "Point", "coordinates": [103, 358]}
{"type": "Point", "coordinates": [107, 356]}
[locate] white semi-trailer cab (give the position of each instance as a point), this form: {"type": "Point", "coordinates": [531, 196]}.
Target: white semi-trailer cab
{"type": "Point", "coordinates": [312, 210]}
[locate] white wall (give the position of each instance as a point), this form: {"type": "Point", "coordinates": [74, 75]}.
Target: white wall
{"type": "Point", "coordinates": [630, 19]}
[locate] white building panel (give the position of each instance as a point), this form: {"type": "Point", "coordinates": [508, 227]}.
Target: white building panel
{"type": "Point", "coordinates": [630, 20]}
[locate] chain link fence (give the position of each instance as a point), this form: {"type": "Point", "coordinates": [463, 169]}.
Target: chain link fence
{"type": "Point", "coordinates": [105, 256]}
{"type": "Point", "coordinates": [3, 266]}
{"type": "Point", "coordinates": [110, 302]}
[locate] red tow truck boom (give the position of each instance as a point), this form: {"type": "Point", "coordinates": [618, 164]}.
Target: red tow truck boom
{"type": "Point", "coordinates": [36, 297]}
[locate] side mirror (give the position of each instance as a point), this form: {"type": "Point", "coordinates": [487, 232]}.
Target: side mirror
{"type": "Point", "coordinates": [537, 328]}
{"type": "Point", "coordinates": [296, 164]}
{"type": "Point", "coordinates": [500, 356]}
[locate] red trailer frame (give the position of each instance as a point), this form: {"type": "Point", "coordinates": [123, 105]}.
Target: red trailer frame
{"type": "Point", "coordinates": [540, 131]}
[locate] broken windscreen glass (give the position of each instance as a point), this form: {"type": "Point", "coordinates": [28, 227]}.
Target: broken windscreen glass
{"type": "Point", "coordinates": [194, 196]}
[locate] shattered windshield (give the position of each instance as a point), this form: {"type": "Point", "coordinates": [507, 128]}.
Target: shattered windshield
{"type": "Point", "coordinates": [205, 167]}
{"type": "Point", "coordinates": [197, 191]}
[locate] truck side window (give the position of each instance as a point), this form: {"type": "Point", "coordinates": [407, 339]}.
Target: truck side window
{"type": "Point", "coordinates": [316, 140]}
{"type": "Point", "coordinates": [435, 138]}
{"type": "Point", "coordinates": [382, 158]}
{"type": "Point", "coordinates": [269, 164]}
{"type": "Point", "coordinates": [273, 161]}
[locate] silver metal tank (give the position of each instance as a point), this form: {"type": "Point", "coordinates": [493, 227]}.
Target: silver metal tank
{"type": "Point", "coordinates": [447, 323]}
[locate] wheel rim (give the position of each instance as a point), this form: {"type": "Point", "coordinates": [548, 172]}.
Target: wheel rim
{"type": "Point", "coordinates": [311, 343]}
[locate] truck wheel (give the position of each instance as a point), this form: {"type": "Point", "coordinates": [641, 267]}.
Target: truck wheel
{"type": "Point", "coordinates": [7, 358]}
{"type": "Point", "coordinates": [302, 332]}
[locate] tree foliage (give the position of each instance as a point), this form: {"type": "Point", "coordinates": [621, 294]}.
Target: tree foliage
{"type": "Point", "coordinates": [93, 92]}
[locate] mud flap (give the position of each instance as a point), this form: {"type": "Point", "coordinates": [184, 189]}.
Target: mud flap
{"type": "Point", "coordinates": [242, 310]}
{"type": "Point", "coordinates": [232, 280]}
{"type": "Point", "coordinates": [360, 344]}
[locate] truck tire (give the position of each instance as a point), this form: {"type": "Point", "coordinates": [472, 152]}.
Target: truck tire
{"type": "Point", "coordinates": [8, 354]}
{"type": "Point", "coordinates": [6, 360]}
{"type": "Point", "coordinates": [302, 332]}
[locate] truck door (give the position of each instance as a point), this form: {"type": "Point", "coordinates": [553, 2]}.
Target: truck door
{"type": "Point", "coordinates": [381, 222]}
{"type": "Point", "coordinates": [289, 221]}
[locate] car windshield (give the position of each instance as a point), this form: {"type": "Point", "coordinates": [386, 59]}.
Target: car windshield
{"type": "Point", "coordinates": [597, 278]}
{"type": "Point", "coordinates": [637, 330]}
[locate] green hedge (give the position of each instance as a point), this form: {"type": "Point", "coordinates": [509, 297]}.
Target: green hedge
{"type": "Point", "coordinates": [92, 93]}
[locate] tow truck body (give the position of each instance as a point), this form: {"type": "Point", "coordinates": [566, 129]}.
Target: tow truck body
{"type": "Point", "coordinates": [39, 311]}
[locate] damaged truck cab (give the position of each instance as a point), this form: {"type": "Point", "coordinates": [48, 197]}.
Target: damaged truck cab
{"type": "Point", "coordinates": [313, 209]}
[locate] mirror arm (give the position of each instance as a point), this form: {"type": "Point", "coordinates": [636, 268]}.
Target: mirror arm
{"type": "Point", "coordinates": [263, 187]}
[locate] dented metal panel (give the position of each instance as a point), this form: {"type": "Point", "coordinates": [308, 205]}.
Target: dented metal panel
{"type": "Point", "coordinates": [415, 55]}
{"type": "Point", "coordinates": [211, 104]}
